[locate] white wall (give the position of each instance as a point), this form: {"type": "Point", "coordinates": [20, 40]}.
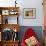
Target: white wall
{"type": "Point", "coordinates": [39, 13]}
{"type": "Point", "coordinates": [27, 4]}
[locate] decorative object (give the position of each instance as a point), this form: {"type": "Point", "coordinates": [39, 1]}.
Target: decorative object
{"type": "Point", "coordinates": [15, 37]}
{"type": "Point", "coordinates": [31, 41]}
{"type": "Point", "coordinates": [13, 12]}
{"type": "Point", "coordinates": [7, 34]}
{"type": "Point", "coordinates": [5, 12]}
{"type": "Point", "coordinates": [30, 38]}
{"type": "Point", "coordinates": [29, 13]}
{"type": "Point", "coordinates": [6, 21]}
{"type": "Point", "coordinates": [15, 34]}
{"type": "Point", "coordinates": [15, 3]}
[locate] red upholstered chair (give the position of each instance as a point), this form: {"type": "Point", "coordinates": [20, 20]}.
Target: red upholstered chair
{"type": "Point", "coordinates": [29, 33]}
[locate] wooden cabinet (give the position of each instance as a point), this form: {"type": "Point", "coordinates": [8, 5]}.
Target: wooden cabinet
{"type": "Point", "coordinates": [9, 23]}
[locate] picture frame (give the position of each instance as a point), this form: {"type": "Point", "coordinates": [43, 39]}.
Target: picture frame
{"type": "Point", "coordinates": [5, 12]}
{"type": "Point", "coordinates": [29, 13]}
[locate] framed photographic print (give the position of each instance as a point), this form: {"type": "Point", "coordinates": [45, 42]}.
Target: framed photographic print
{"type": "Point", "coordinates": [5, 12]}
{"type": "Point", "coordinates": [29, 13]}
{"type": "Point", "coordinates": [13, 12]}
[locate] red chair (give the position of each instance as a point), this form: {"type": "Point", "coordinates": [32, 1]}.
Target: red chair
{"type": "Point", "coordinates": [29, 33]}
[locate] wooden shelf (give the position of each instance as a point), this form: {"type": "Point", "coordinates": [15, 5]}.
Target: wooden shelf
{"type": "Point", "coordinates": [11, 26]}
{"type": "Point", "coordinates": [4, 13]}
{"type": "Point", "coordinates": [9, 43]}
{"type": "Point", "coordinates": [5, 8]}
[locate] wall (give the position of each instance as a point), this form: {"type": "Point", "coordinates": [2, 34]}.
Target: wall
{"type": "Point", "coordinates": [39, 13]}
{"type": "Point", "coordinates": [27, 4]}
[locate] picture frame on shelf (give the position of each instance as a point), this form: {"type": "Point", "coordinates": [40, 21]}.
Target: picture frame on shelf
{"type": "Point", "coordinates": [13, 13]}
{"type": "Point", "coordinates": [5, 12]}
{"type": "Point", "coordinates": [29, 13]}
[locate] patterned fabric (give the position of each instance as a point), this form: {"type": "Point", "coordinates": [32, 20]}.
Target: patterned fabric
{"type": "Point", "coordinates": [28, 34]}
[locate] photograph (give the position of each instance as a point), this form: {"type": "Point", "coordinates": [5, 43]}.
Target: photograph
{"type": "Point", "coordinates": [29, 13]}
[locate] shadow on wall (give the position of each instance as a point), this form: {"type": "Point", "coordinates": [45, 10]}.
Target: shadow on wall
{"type": "Point", "coordinates": [37, 29]}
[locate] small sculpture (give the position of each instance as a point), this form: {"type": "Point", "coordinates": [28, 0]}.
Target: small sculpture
{"type": "Point", "coordinates": [15, 3]}
{"type": "Point", "coordinates": [6, 21]}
